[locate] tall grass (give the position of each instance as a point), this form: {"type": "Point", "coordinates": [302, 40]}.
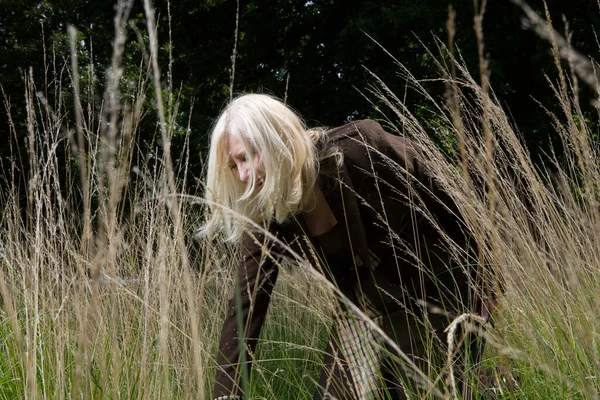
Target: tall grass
{"type": "Point", "coordinates": [98, 295]}
{"type": "Point", "coordinates": [536, 226]}
{"type": "Point", "coordinates": [104, 290]}
{"type": "Point", "coordinates": [102, 298]}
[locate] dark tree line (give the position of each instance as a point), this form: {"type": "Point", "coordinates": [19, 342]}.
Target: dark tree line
{"type": "Point", "coordinates": [317, 53]}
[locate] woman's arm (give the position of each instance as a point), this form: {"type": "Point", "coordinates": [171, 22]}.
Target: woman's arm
{"type": "Point", "coordinates": [400, 157]}
{"type": "Point", "coordinates": [256, 277]}
{"type": "Point", "coordinates": [405, 177]}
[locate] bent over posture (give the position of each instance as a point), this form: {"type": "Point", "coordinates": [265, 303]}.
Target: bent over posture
{"type": "Point", "coordinates": [379, 223]}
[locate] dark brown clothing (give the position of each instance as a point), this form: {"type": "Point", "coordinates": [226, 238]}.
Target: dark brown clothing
{"type": "Point", "coordinates": [378, 230]}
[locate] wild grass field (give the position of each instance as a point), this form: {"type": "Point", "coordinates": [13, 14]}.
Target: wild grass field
{"type": "Point", "coordinates": [107, 293]}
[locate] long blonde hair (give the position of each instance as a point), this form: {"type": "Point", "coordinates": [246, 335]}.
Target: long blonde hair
{"type": "Point", "coordinates": [268, 128]}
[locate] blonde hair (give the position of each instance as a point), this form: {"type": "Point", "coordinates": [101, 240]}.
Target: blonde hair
{"type": "Point", "coordinates": [268, 128]}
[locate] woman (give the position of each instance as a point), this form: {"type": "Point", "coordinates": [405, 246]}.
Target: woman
{"type": "Point", "coordinates": [376, 218]}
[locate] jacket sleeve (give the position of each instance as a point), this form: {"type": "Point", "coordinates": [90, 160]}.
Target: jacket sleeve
{"type": "Point", "coordinates": [445, 213]}
{"type": "Point", "coordinates": [435, 199]}
{"type": "Point", "coordinates": [256, 276]}
{"type": "Point", "coordinates": [398, 162]}
{"type": "Point", "coordinates": [436, 217]}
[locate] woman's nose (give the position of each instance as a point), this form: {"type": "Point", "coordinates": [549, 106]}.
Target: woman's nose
{"type": "Point", "coordinates": [244, 173]}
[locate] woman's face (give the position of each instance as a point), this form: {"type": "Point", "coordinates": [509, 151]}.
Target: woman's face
{"type": "Point", "coordinates": [240, 162]}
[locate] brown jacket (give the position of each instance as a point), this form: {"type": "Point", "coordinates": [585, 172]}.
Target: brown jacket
{"type": "Point", "coordinates": [381, 175]}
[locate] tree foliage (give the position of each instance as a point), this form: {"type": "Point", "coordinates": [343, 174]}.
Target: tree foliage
{"type": "Point", "coordinates": [318, 54]}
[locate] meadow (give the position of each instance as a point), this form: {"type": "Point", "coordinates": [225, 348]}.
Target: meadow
{"type": "Point", "coordinates": [106, 292]}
